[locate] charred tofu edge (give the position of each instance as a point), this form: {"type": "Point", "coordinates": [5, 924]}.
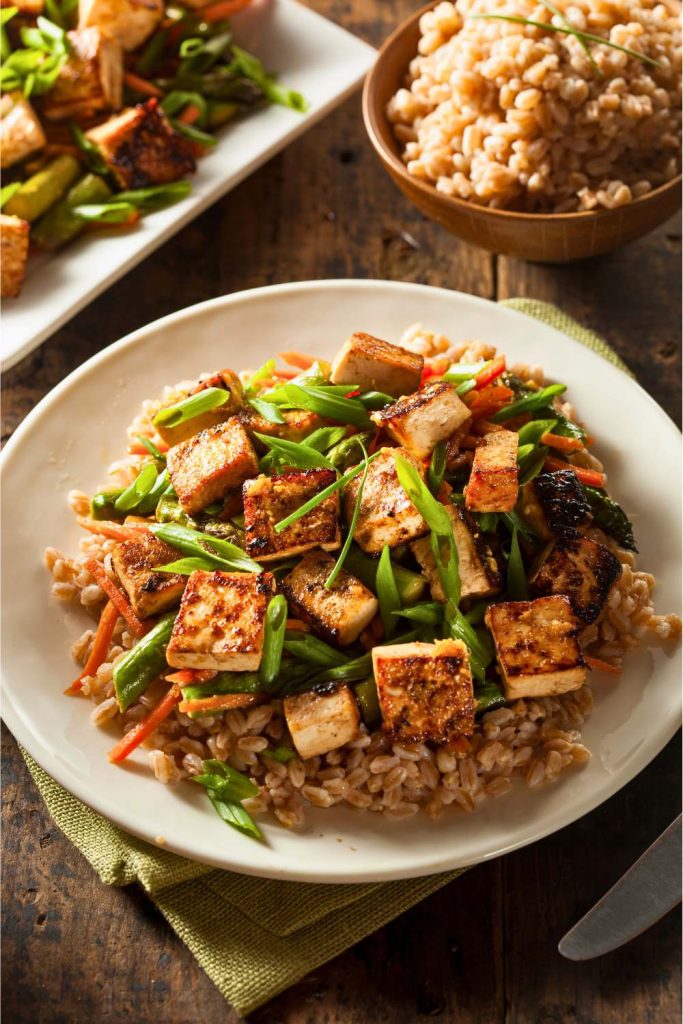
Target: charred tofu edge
{"type": "Point", "coordinates": [559, 571]}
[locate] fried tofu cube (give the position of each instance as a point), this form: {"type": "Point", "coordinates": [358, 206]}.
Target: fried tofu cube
{"type": "Point", "coordinates": [135, 563]}
{"type": "Point", "coordinates": [130, 22]}
{"type": "Point", "coordinates": [537, 646]}
{"type": "Point", "coordinates": [425, 690]}
{"type": "Point", "coordinates": [554, 503]}
{"type": "Point", "coordinates": [299, 423]}
{"type": "Point", "coordinates": [14, 236]}
{"type": "Point", "coordinates": [322, 719]}
{"type": "Point", "coordinates": [582, 570]}
{"type": "Point", "coordinates": [421, 420]}
{"type": "Point", "coordinates": [268, 499]}
{"type": "Point", "coordinates": [493, 486]}
{"type": "Point", "coordinates": [375, 365]}
{"type": "Point", "coordinates": [90, 81]}
{"type": "Point", "coordinates": [21, 132]}
{"type": "Point", "coordinates": [209, 464]}
{"type": "Point", "coordinates": [339, 614]}
{"type": "Point", "coordinates": [225, 379]}
{"type": "Point", "coordinates": [387, 515]}
{"type": "Point", "coordinates": [221, 621]}
{"type": "Point", "coordinates": [141, 147]}
{"type": "Point", "coordinates": [479, 573]}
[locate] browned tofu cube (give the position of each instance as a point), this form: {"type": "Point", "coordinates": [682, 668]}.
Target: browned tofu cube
{"type": "Point", "coordinates": [339, 614]}
{"type": "Point", "coordinates": [269, 499]}
{"type": "Point", "coordinates": [537, 646]}
{"type": "Point", "coordinates": [208, 465]}
{"type": "Point", "coordinates": [299, 423]}
{"type": "Point", "coordinates": [136, 563]}
{"type": "Point", "coordinates": [323, 719]}
{"type": "Point", "coordinates": [141, 147]}
{"type": "Point", "coordinates": [221, 621]}
{"type": "Point", "coordinates": [21, 132]}
{"type": "Point", "coordinates": [375, 365]}
{"type": "Point", "coordinates": [479, 573]}
{"type": "Point", "coordinates": [225, 379]}
{"type": "Point", "coordinates": [554, 504]}
{"type": "Point", "coordinates": [90, 81]}
{"type": "Point", "coordinates": [582, 570]}
{"type": "Point", "coordinates": [425, 690]}
{"type": "Point", "coordinates": [13, 254]}
{"type": "Point", "coordinates": [387, 515]}
{"type": "Point", "coordinates": [128, 21]}
{"type": "Point", "coordinates": [421, 420]}
{"type": "Point", "coordinates": [493, 485]}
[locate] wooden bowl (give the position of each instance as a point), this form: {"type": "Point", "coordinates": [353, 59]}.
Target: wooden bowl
{"type": "Point", "coordinates": [544, 237]}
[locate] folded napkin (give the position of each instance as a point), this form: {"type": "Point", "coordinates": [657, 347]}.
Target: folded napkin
{"type": "Point", "coordinates": [279, 931]}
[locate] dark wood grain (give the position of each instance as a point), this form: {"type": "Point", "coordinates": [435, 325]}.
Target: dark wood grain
{"type": "Point", "coordinates": [483, 950]}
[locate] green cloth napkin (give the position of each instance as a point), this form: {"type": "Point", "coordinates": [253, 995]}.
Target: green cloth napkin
{"type": "Point", "coordinates": [278, 931]}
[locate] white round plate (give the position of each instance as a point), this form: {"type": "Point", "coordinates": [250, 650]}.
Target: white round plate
{"type": "Point", "coordinates": [71, 436]}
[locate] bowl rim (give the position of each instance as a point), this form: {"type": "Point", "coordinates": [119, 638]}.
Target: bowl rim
{"type": "Point", "coordinates": [373, 118]}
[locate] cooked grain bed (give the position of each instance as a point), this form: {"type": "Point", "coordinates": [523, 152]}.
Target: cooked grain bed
{"type": "Point", "coordinates": [510, 116]}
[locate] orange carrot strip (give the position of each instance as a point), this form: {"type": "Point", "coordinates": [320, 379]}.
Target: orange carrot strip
{"type": "Point", "coordinates": [436, 368]}
{"type": "Point", "coordinates": [114, 531]}
{"type": "Point", "coordinates": [562, 444]}
{"type": "Point", "coordinates": [188, 676]}
{"type": "Point", "coordinates": [141, 85]}
{"type": "Point", "coordinates": [297, 626]}
{"type": "Point", "coordinates": [190, 114]}
{"type": "Point", "coordinates": [222, 9]}
{"type": "Point", "coordinates": [222, 702]}
{"type": "Point", "coordinates": [601, 666]}
{"type": "Point", "coordinates": [590, 477]}
{"type": "Point", "coordinates": [117, 597]}
{"type": "Point", "coordinates": [490, 373]}
{"type": "Point", "coordinates": [300, 359]}
{"type": "Point", "coordinates": [146, 727]}
{"type": "Point", "coordinates": [100, 647]}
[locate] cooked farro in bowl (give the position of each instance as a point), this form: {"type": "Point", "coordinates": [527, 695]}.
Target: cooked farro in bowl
{"type": "Point", "coordinates": [544, 108]}
{"type": "Point", "coordinates": [380, 582]}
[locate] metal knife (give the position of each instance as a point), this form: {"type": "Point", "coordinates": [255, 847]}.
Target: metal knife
{"type": "Point", "coordinates": [648, 891]}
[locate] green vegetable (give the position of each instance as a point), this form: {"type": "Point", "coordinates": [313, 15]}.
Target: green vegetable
{"type": "Point", "coordinates": [6, 14]}
{"type": "Point", "coordinates": [280, 754]}
{"type": "Point", "coordinates": [428, 612]}
{"type": "Point", "coordinates": [169, 511]}
{"type": "Point", "coordinates": [324, 438]}
{"type": "Point", "coordinates": [156, 197]}
{"type": "Point", "coordinates": [61, 223]}
{"type": "Point", "coordinates": [294, 454]}
{"type": "Point", "coordinates": [267, 410]}
{"type": "Point", "coordinates": [273, 641]}
{"type": "Point", "coordinates": [387, 593]}
{"type": "Point", "coordinates": [224, 682]}
{"type": "Point", "coordinates": [192, 133]}
{"type": "Point", "coordinates": [610, 517]}
{"type": "Point", "coordinates": [152, 56]}
{"type": "Point", "coordinates": [221, 113]}
{"type": "Point", "coordinates": [142, 663]}
{"type": "Point", "coordinates": [467, 385]}
{"type": "Point", "coordinates": [532, 431]}
{"type": "Point", "coordinates": [563, 426]}
{"type": "Point", "coordinates": [323, 400]}
{"type": "Point", "coordinates": [103, 505]}
{"type": "Point", "coordinates": [524, 450]}
{"type": "Point", "coordinates": [310, 649]}
{"type": "Point", "coordinates": [262, 373]}
{"type": "Point", "coordinates": [368, 699]}
{"type": "Point", "coordinates": [513, 521]}
{"type": "Point", "coordinates": [226, 789]}
{"type": "Point", "coordinates": [151, 447]}
{"type": "Point", "coordinates": [140, 488]}
{"type": "Point", "coordinates": [517, 587]}
{"type": "Point", "coordinates": [355, 669]}
{"type": "Point", "coordinates": [7, 191]}
{"type": "Point", "coordinates": [465, 371]}
{"type": "Point", "coordinates": [487, 521]}
{"type": "Point", "coordinates": [176, 100]}
{"type": "Point", "coordinates": [189, 408]}
{"type": "Point", "coordinates": [148, 504]}
{"type": "Point", "coordinates": [339, 564]}
{"type": "Point", "coordinates": [343, 454]}
{"type": "Point", "coordinates": [34, 69]}
{"type": "Point", "coordinates": [43, 189]}
{"type": "Point", "coordinates": [276, 93]}
{"type": "Point", "coordinates": [322, 495]}
{"type": "Point", "coordinates": [93, 156]}
{"type": "Point", "coordinates": [375, 400]}
{"type": "Point", "coordinates": [488, 695]}
{"type": "Point", "coordinates": [114, 212]}
{"type": "Point", "coordinates": [535, 400]}
{"type": "Point", "coordinates": [222, 554]}
{"type": "Point", "coordinates": [411, 585]}
{"type": "Point", "coordinates": [532, 464]}
{"type": "Point", "coordinates": [437, 468]}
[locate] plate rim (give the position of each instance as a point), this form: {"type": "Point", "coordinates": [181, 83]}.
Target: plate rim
{"type": "Point", "coordinates": [227, 861]}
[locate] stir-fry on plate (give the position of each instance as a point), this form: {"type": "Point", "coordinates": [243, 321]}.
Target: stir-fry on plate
{"type": "Point", "coordinates": [383, 576]}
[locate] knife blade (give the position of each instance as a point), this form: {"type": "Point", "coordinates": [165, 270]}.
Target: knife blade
{"type": "Point", "coordinates": [648, 891]}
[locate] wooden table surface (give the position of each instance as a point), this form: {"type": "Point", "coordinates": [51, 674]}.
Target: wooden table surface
{"type": "Point", "coordinates": [482, 950]}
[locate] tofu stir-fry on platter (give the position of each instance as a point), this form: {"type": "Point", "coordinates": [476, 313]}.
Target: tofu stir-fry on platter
{"type": "Point", "coordinates": [383, 582]}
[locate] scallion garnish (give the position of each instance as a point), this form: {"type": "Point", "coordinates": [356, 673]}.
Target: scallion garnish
{"type": "Point", "coordinates": [273, 641]}
{"type": "Point", "coordinates": [339, 564]}
{"type": "Point", "coordinates": [314, 651]}
{"type": "Point", "coordinates": [536, 400]}
{"type": "Point", "coordinates": [437, 468]}
{"type": "Point", "coordinates": [294, 454]}
{"type": "Point", "coordinates": [140, 487]}
{"type": "Point", "coordinates": [227, 788]}
{"type": "Point", "coordinates": [220, 553]}
{"type": "Point", "coordinates": [267, 410]}
{"type": "Point", "coordinates": [322, 495]}
{"type": "Point", "coordinates": [517, 586]}
{"type": "Point", "coordinates": [188, 408]}
{"type": "Point", "coordinates": [387, 593]}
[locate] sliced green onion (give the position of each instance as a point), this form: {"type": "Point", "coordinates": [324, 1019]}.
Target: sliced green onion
{"type": "Point", "coordinates": [195, 405]}
{"type": "Point", "coordinates": [437, 468]}
{"type": "Point", "coordinates": [467, 385]}
{"type": "Point", "coordinates": [325, 403]}
{"type": "Point", "coordinates": [387, 593]}
{"type": "Point", "coordinates": [149, 502]}
{"type": "Point", "coordinates": [465, 371]}
{"type": "Point", "coordinates": [322, 495]}
{"type": "Point", "coordinates": [220, 553]}
{"type": "Point", "coordinates": [273, 641]}
{"type": "Point", "coordinates": [262, 373]}
{"type": "Point", "coordinates": [532, 431]}
{"type": "Point", "coordinates": [8, 191]}
{"type": "Point", "coordinates": [140, 487]}
{"type": "Point", "coordinates": [156, 197]}
{"type": "Point", "coordinates": [295, 454]}
{"type": "Point", "coordinates": [224, 682]}
{"type": "Point", "coordinates": [368, 700]}
{"type": "Point", "coordinates": [267, 410]}
{"type": "Point", "coordinates": [252, 67]}
{"type": "Point", "coordinates": [487, 521]}
{"type": "Point", "coordinates": [281, 754]}
{"type": "Point", "coordinates": [347, 450]}
{"type": "Point", "coordinates": [411, 585]}
{"type": "Point", "coordinates": [339, 564]}
{"type": "Point", "coordinates": [91, 152]}
{"type": "Point", "coordinates": [151, 447]}
{"type": "Point", "coordinates": [428, 612]}
{"type": "Point", "coordinates": [324, 438]}
{"type": "Point", "coordinates": [524, 450]}
{"type": "Point", "coordinates": [115, 212]}
{"type": "Point", "coordinates": [375, 400]}
{"type": "Point", "coordinates": [192, 133]}
{"type": "Point", "coordinates": [226, 789]}
{"type": "Point", "coordinates": [530, 402]}
{"type": "Point", "coordinates": [314, 651]}
{"type": "Point", "coordinates": [176, 100]}
{"type": "Point", "coordinates": [517, 586]}
{"type": "Point", "coordinates": [488, 695]}
{"type": "Point", "coordinates": [532, 465]}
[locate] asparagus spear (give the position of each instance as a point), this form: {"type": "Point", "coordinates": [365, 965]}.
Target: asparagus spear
{"type": "Point", "coordinates": [60, 225]}
{"type": "Point", "coordinates": [39, 192]}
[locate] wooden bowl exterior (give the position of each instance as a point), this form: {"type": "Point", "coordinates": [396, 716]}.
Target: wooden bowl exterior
{"type": "Point", "coordinates": [541, 237]}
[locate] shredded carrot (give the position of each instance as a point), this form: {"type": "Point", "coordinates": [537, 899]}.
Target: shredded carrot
{"type": "Point", "coordinates": [137, 448]}
{"type": "Point", "coordinates": [146, 727]}
{"type": "Point", "coordinates": [601, 666]}
{"type": "Point", "coordinates": [284, 375]}
{"type": "Point", "coordinates": [300, 359]}
{"type": "Point", "coordinates": [590, 477]}
{"type": "Point", "coordinates": [114, 531]}
{"type": "Point", "coordinates": [117, 597]}
{"type": "Point", "coordinates": [490, 373]}
{"type": "Point", "coordinates": [436, 368]}
{"type": "Point", "coordinates": [190, 114]}
{"type": "Point", "coordinates": [222, 9]}
{"type": "Point", "coordinates": [222, 702]}
{"type": "Point", "coordinates": [562, 444]}
{"type": "Point", "coordinates": [191, 676]}
{"type": "Point", "coordinates": [141, 85]}
{"type": "Point", "coordinates": [297, 626]}
{"type": "Point", "coordinates": [100, 647]}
